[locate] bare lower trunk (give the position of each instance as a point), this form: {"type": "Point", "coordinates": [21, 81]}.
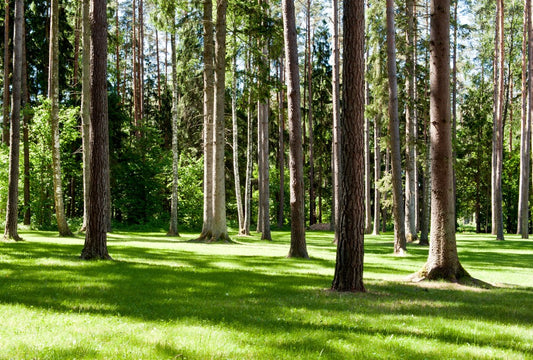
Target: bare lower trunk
{"type": "Point", "coordinates": [209, 96]}
{"type": "Point", "coordinates": [368, 167]}
{"type": "Point", "coordinates": [298, 244]}
{"type": "Point", "coordinates": [236, 173]}
{"type": "Point", "coordinates": [173, 228]}
{"type": "Point", "coordinates": [398, 207]}
{"type": "Point", "coordinates": [11, 229]}
{"type": "Point", "coordinates": [53, 95]}
{"type": "Point", "coordinates": [335, 164]}
{"type": "Point", "coordinates": [525, 130]}
{"type": "Point", "coordinates": [25, 131]}
{"type": "Point", "coordinates": [7, 62]}
{"type": "Point", "coordinates": [85, 105]}
{"type": "Point", "coordinates": [281, 151]}
{"type": "Point", "coordinates": [377, 172]}
{"type": "Point", "coordinates": [220, 231]}
{"type": "Point", "coordinates": [249, 168]}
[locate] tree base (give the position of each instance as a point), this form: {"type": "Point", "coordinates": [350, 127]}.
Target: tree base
{"type": "Point", "coordinates": [299, 254]}
{"type": "Point", "coordinates": [11, 238]}
{"type": "Point", "coordinates": [441, 273]}
{"type": "Point", "coordinates": [93, 255]}
{"type": "Point", "coordinates": [411, 238]}
{"type": "Point", "coordinates": [210, 238]}
{"type": "Point", "coordinates": [423, 242]}
{"type": "Point", "coordinates": [173, 234]}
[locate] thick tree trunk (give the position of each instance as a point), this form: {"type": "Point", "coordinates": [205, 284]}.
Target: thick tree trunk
{"type": "Point", "coordinates": [335, 98]}
{"type": "Point", "coordinates": [53, 96]}
{"type": "Point", "coordinates": [410, 165]}
{"type": "Point", "coordinates": [281, 150]}
{"type": "Point", "coordinates": [394, 130]}
{"type": "Point", "coordinates": [220, 231]}
{"type": "Point", "coordinates": [377, 172]}
{"type": "Point", "coordinates": [525, 129]}
{"type": "Point", "coordinates": [209, 108]}
{"type": "Point", "coordinates": [85, 104]}
{"type": "Point", "coordinates": [11, 229]}
{"type": "Point", "coordinates": [98, 212]}
{"type": "Point", "coordinates": [7, 62]}
{"type": "Point", "coordinates": [173, 228]}
{"type": "Point", "coordinates": [497, 214]}
{"type": "Point", "coordinates": [443, 262]}
{"type": "Point", "coordinates": [298, 244]}
{"type": "Point", "coordinates": [349, 264]}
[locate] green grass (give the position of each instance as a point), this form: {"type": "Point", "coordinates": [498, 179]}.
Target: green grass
{"type": "Point", "coordinates": [165, 298]}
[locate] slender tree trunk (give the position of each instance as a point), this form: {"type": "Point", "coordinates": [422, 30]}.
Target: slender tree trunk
{"type": "Point", "coordinates": [525, 130]}
{"type": "Point", "coordinates": [281, 154]}
{"type": "Point", "coordinates": [349, 264]}
{"type": "Point", "coordinates": [209, 96]}
{"type": "Point", "coordinates": [7, 62]}
{"type": "Point", "coordinates": [85, 105]}
{"type": "Point", "coordinates": [117, 48]}
{"type": "Point", "coordinates": [443, 262]}
{"type": "Point", "coordinates": [220, 231]}
{"type": "Point", "coordinates": [98, 211]}
{"type": "Point", "coordinates": [236, 172]}
{"type": "Point", "coordinates": [25, 130]}
{"type": "Point", "coordinates": [158, 66]}
{"type": "Point", "coordinates": [335, 98]}
{"type": "Point", "coordinates": [173, 228]}
{"type": "Point", "coordinates": [53, 95]}
{"type": "Point", "coordinates": [141, 58]}
{"type": "Point", "coordinates": [312, 195]}
{"type": "Point", "coordinates": [377, 172]}
{"type": "Point", "coordinates": [249, 162]}
{"type": "Point", "coordinates": [410, 165]}
{"type": "Point", "coordinates": [368, 167]}
{"type": "Point", "coordinates": [11, 229]}
{"type": "Point", "coordinates": [394, 129]}
{"type": "Point", "coordinates": [298, 244]}
{"type": "Point", "coordinates": [498, 126]}
{"type": "Point", "coordinates": [387, 171]}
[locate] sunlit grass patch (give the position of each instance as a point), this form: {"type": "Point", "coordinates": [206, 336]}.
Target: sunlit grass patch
{"type": "Point", "coordinates": [170, 298]}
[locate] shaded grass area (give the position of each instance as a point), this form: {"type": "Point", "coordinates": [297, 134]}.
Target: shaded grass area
{"type": "Point", "coordinates": [171, 298]}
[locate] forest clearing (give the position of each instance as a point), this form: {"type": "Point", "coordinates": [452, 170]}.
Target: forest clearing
{"type": "Point", "coordinates": [171, 298]}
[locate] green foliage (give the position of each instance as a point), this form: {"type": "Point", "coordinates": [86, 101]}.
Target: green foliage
{"type": "Point", "coordinates": [41, 183]}
{"type": "Point", "coordinates": [190, 191]}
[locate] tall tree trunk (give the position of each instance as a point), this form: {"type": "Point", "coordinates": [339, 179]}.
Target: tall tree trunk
{"type": "Point", "coordinates": [298, 245]}
{"type": "Point", "coordinates": [209, 108]}
{"type": "Point", "coordinates": [525, 129]}
{"type": "Point", "coordinates": [158, 67]}
{"type": "Point", "coordinates": [281, 150]}
{"type": "Point", "coordinates": [173, 228]}
{"type": "Point", "coordinates": [368, 167]}
{"type": "Point", "coordinates": [443, 262]}
{"type": "Point", "coordinates": [497, 157]}
{"type": "Point", "coordinates": [85, 104]}
{"type": "Point", "coordinates": [141, 58]}
{"type": "Point", "coordinates": [98, 213]}
{"type": "Point", "coordinates": [349, 264]}
{"type": "Point", "coordinates": [7, 62]}
{"type": "Point", "coordinates": [335, 98]}
{"type": "Point", "coordinates": [236, 172]}
{"type": "Point", "coordinates": [53, 96]}
{"type": "Point", "coordinates": [312, 195]}
{"type": "Point", "coordinates": [249, 162]}
{"type": "Point", "coordinates": [377, 172]}
{"type": "Point", "coordinates": [394, 130]}
{"type": "Point", "coordinates": [410, 164]}
{"type": "Point", "coordinates": [25, 130]}
{"type": "Point", "coordinates": [11, 231]}
{"type": "Point", "coordinates": [117, 48]}
{"type": "Point", "coordinates": [387, 172]}
{"type": "Point", "coordinates": [220, 231]}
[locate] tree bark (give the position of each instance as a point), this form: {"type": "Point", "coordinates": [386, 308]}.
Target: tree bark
{"type": "Point", "coordinates": [525, 129]}
{"type": "Point", "coordinates": [410, 165]}
{"type": "Point", "coordinates": [298, 245]}
{"type": "Point", "coordinates": [249, 162]}
{"type": "Point", "coordinates": [312, 195]}
{"type": "Point", "coordinates": [220, 231]}
{"type": "Point", "coordinates": [25, 130]}
{"type": "Point", "coordinates": [377, 172]}
{"type": "Point", "coordinates": [117, 49]}
{"type": "Point", "coordinates": [7, 62]}
{"type": "Point", "coordinates": [53, 95]}
{"type": "Point", "coordinates": [443, 262]}
{"type": "Point", "coordinates": [497, 215]}
{"type": "Point", "coordinates": [394, 129]}
{"type": "Point", "coordinates": [85, 104]}
{"type": "Point", "coordinates": [173, 228]}
{"type": "Point", "coordinates": [335, 98]}
{"type": "Point", "coordinates": [11, 229]}
{"type": "Point", "coordinates": [98, 213]}
{"type": "Point", "coordinates": [350, 250]}
{"type": "Point", "coordinates": [368, 167]}
{"type": "Point", "coordinates": [209, 97]}
{"type": "Point", "coordinates": [281, 150]}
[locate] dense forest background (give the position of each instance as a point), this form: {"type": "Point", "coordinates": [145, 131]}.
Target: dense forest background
{"type": "Point", "coordinates": [140, 103]}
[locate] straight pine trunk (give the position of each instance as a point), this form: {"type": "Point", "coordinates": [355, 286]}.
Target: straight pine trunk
{"type": "Point", "coordinates": [173, 227]}
{"type": "Point", "coordinates": [236, 174]}
{"type": "Point", "coordinates": [335, 98]}
{"type": "Point", "coordinates": [377, 172]}
{"type": "Point", "coordinates": [281, 150]}
{"type": "Point", "coordinates": [7, 62]}
{"type": "Point", "coordinates": [25, 131]}
{"type": "Point", "coordinates": [85, 104]}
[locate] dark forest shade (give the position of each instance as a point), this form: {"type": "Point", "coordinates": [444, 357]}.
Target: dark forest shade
{"type": "Point", "coordinates": [350, 229]}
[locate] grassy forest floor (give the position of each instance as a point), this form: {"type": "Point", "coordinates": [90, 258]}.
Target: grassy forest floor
{"type": "Point", "coordinates": [168, 298]}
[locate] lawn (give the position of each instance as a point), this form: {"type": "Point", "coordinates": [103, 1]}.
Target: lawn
{"type": "Point", "coordinates": [166, 298]}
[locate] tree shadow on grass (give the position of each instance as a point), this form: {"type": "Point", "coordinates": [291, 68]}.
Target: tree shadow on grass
{"type": "Point", "coordinates": [250, 296]}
